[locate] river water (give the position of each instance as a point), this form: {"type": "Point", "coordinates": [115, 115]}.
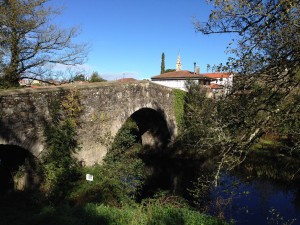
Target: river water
{"type": "Point", "coordinates": [239, 197]}
{"type": "Point", "coordinates": [258, 201]}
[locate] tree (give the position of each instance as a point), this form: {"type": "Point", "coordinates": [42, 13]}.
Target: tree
{"type": "Point", "coordinates": [95, 77]}
{"type": "Point", "coordinates": [267, 32]}
{"type": "Point", "coordinates": [267, 62]}
{"type": "Point", "coordinates": [210, 132]}
{"type": "Point", "coordinates": [169, 70]}
{"type": "Point", "coordinates": [79, 77]}
{"type": "Point", "coordinates": [162, 67]}
{"type": "Point", "coordinates": [266, 92]}
{"type": "Point", "coordinates": [31, 46]}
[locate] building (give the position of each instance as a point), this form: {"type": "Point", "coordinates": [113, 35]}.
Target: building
{"type": "Point", "coordinates": [216, 82]}
{"type": "Point", "coordinates": [223, 81]}
{"type": "Point", "coordinates": [178, 79]}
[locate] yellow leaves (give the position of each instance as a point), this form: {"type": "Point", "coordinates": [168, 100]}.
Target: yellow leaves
{"type": "Point", "coordinates": [71, 105]}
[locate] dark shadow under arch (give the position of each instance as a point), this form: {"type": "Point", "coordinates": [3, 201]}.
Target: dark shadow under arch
{"type": "Point", "coordinates": [17, 163]}
{"type": "Point", "coordinates": [153, 128]}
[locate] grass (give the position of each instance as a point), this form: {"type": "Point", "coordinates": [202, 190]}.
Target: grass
{"type": "Point", "coordinates": [127, 215]}
{"type": "Point", "coordinates": [22, 210]}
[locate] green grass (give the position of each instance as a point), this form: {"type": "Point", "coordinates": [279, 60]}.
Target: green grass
{"type": "Point", "coordinates": [266, 144]}
{"type": "Point", "coordinates": [27, 211]}
{"type": "Point", "coordinates": [127, 215]}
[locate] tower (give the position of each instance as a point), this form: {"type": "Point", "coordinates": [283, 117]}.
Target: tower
{"type": "Point", "coordinates": [178, 63]}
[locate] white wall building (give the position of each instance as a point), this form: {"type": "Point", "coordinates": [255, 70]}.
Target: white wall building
{"type": "Point", "coordinates": [217, 82]}
{"type": "Point", "coordinates": [178, 79]}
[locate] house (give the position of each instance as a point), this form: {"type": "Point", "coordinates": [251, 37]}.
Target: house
{"type": "Point", "coordinates": [178, 79]}
{"type": "Point", "coordinates": [216, 88]}
{"type": "Point", "coordinates": [216, 82]}
{"type": "Point", "coordinates": [224, 80]}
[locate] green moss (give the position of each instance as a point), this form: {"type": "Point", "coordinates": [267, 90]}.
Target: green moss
{"type": "Point", "coordinates": [179, 99]}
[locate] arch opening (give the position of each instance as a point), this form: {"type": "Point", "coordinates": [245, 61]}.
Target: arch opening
{"type": "Point", "coordinates": [152, 128]}
{"type": "Point", "coordinates": [18, 169]}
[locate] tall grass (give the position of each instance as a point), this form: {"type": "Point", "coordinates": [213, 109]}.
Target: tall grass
{"type": "Point", "coordinates": [148, 214]}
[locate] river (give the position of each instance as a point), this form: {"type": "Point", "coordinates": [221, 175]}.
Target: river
{"type": "Point", "coordinates": [240, 197]}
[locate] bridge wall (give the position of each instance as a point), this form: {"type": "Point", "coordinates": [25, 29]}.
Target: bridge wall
{"type": "Point", "coordinates": [106, 106]}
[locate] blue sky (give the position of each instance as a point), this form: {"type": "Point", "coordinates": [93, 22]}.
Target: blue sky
{"type": "Point", "coordinates": [127, 37]}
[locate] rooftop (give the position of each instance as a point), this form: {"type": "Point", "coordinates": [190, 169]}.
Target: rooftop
{"type": "Point", "coordinates": [216, 86]}
{"type": "Point", "coordinates": [217, 75]}
{"type": "Point", "coordinates": [181, 75]}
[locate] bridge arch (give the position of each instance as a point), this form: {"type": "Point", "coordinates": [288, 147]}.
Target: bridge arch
{"type": "Point", "coordinates": [152, 127]}
{"type": "Point", "coordinates": [18, 169]}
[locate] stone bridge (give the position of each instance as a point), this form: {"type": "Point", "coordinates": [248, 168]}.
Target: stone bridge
{"type": "Point", "coordinates": [106, 107]}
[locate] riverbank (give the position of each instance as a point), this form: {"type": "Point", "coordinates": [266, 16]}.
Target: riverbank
{"type": "Point", "coordinates": [21, 209]}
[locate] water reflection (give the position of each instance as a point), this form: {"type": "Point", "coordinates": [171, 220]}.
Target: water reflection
{"type": "Point", "coordinates": [258, 201]}
{"type": "Point", "coordinates": [241, 196]}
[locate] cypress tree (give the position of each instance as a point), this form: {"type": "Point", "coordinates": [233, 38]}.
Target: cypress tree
{"type": "Point", "coordinates": [162, 67]}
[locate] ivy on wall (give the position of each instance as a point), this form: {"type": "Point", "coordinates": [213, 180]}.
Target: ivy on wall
{"type": "Point", "coordinates": [60, 168]}
{"type": "Point", "coordinates": [179, 99]}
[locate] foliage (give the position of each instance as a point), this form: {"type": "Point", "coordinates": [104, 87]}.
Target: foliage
{"type": "Point", "coordinates": [123, 161]}
{"type": "Point", "coordinates": [169, 70]}
{"type": "Point", "coordinates": [95, 77]}
{"type": "Point", "coordinates": [104, 189]}
{"type": "Point", "coordinates": [60, 167]}
{"type": "Point", "coordinates": [31, 47]}
{"type": "Point", "coordinates": [211, 130]}
{"type": "Point", "coordinates": [179, 100]}
{"type": "Point", "coordinates": [162, 67]}
{"type": "Point", "coordinates": [267, 33]}
{"type": "Point", "coordinates": [125, 138]}
{"type": "Point", "coordinates": [121, 176]}
{"type": "Point", "coordinates": [79, 77]}
{"type": "Point", "coordinates": [266, 63]}
{"type": "Point", "coordinates": [265, 94]}
{"type": "Point", "coordinates": [151, 213]}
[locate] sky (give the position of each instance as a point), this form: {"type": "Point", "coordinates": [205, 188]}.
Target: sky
{"type": "Point", "coordinates": [128, 37]}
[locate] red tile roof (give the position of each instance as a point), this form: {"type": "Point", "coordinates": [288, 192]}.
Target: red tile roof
{"type": "Point", "coordinates": [215, 86]}
{"type": "Point", "coordinates": [179, 75]}
{"type": "Point", "coordinates": [217, 75]}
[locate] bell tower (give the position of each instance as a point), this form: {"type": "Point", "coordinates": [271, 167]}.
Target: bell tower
{"type": "Point", "coordinates": [178, 63]}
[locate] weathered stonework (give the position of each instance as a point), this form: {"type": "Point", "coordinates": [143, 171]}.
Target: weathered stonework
{"type": "Point", "coordinates": [106, 106]}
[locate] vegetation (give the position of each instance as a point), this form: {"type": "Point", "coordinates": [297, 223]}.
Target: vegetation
{"type": "Point", "coordinates": [95, 77]}
{"type": "Point", "coordinates": [111, 198]}
{"type": "Point", "coordinates": [266, 88]}
{"type": "Point", "coordinates": [79, 77]}
{"type": "Point", "coordinates": [169, 70]}
{"type": "Point", "coordinates": [223, 133]}
{"type": "Point", "coordinates": [162, 67]}
{"type": "Point", "coordinates": [60, 168]}
{"type": "Point", "coordinates": [152, 212]}
{"type": "Point", "coordinates": [33, 48]}
{"type": "Point", "coordinates": [179, 101]}
{"type": "Point", "coordinates": [265, 95]}
{"type": "Point", "coordinates": [118, 180]}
